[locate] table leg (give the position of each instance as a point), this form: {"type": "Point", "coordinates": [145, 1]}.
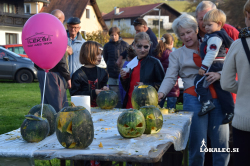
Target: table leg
{"type": "Point", "coordinates": [185, 156]}
{"type": "Point", "coordinates": [62, 162]}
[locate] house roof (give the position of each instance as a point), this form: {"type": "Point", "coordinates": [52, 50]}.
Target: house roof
{"type": "Point", "coordinates": [134, 11]}
{"type": "Point", "coordinates": [74, 8]}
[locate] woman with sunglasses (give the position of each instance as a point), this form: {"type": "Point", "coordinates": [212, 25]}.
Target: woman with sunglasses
{"type": "Point", "coordinates": [144, 69]}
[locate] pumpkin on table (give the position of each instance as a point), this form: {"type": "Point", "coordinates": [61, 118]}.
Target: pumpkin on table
{"type": "Point", "coordinates": [48, 112]}
{"type": "Point", "coordinates": [107, 99]}
{"type": "Point", "coordinates": [74, 127]}
{"type": "Point", "coordinates": [131, 123]}
{"type": "Point", "coordinates": [144, 95]}
{"type": "Point", "coordinates": [153, 118]}
{"type": "Point", "coordinates": [34, 129]}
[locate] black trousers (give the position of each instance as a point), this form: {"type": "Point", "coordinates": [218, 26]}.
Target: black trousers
{"type": "Point", "coordinates": [241, 140]}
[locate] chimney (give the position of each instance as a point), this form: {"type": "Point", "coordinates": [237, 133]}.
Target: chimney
{"type": "Point", "coordinates": [117, 10]}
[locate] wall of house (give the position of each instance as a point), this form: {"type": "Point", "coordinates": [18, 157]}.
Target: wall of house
{"type": "Point", "coordinates": [7, 29]}
{"type": "Point", "coordinates": [149, 19]}
{"type": "Point", "coordinates": [93, 21]}
{"type": "Point", "coordinates": [35, 7]}
{"type": "Point", "coordinates": [121, 24]}
{"type": "Point", "coordinates": [19, 4]}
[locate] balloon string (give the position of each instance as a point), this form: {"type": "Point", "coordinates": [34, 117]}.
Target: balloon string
{"type": "Point", "coordinates": [43, 94]}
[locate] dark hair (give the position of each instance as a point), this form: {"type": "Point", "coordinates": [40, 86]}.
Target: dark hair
{"type": "Point", "coordinates": [114, 29]}
{"type": "Point", "coordinates": [139, 21]}
{"type": "Point", "coordinates": [164, 44]}
{"type": "Point", "coordinates": [131, 52]}
{"type": "Point", "coordinates": [89, 52]}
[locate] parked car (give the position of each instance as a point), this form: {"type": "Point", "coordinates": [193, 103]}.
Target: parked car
{"type": "Point", "coordinates": [15, 67]}
{"type": "Point", "coordinates": [16, 48]}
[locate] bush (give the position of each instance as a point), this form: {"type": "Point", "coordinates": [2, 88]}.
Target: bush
{"type": "Point", "coordinates": [98, 36]}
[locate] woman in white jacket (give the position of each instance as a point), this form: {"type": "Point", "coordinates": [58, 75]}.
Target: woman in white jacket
{"type": "Point", "coordinates": [237, 61]}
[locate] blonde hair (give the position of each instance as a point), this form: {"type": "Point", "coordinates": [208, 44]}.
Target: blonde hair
{"type": "Point", "coordinates": [215, 15]}
{"type": "Point", "coordinates": [89, 52]}
{"type": "Point", "coordinates": [246, 8]}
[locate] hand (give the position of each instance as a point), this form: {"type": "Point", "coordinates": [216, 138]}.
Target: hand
{"type": "Point", "coordinates": [119, 62]}
{"type": "Point", "coordinates": [69, 84]}
{"type": "Point", "coordinates": [212, 76]}
{"type": "Point", "coordinates": [123, 74]}
{"type": "Point", "coordinates": [105, 88]}
{"type": "Point", "coordinates": [201, 72]}
{"type": "Point", "coordinates": [97, 91]}
{"type": "Point", "coordinates": [69, 50]}
{"type": "Point", "coordinates": [160, 96]}
{"type": "Point", "coordinates": [139, 83]}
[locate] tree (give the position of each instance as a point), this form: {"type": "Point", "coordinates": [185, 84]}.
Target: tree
{"type": "Point", "coordinates": [129, 3]}
{"type": "Point", "coordinates": [234, 11]}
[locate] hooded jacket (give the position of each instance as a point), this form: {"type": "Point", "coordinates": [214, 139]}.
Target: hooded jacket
{"type": "Point", "coordinates": [111, 52]}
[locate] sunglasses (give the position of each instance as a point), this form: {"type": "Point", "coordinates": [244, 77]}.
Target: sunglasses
{"type": "Point", "coordinates": [138, 46]}
{"type": "Point", "coordinates": [136, 22]}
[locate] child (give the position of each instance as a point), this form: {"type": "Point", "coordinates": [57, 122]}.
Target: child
{"type": "Point", "coordinates": [131, 54]}
{"type": "Point", "coordinates": [89, 79]}
{"type": "Point", "coordinates": [213, 52]}
{"type": "Point", "coordinates": [162, 52]}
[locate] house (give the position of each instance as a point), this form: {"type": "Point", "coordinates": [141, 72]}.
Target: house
{"type": "Point", "coordinates": [124, 17]}
{"type": "Point", "coordinates": [86, 10]}
{"type": "Point", "coordinates": [13, 15]}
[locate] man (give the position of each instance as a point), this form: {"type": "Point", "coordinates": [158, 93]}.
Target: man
{"type": "Point", "coordinates": [55, 89]}
{"type": "Point", "coordinates": [140, 25]}
{"type": "Point", "coordinates": [75, 41]}
{"type": "Point", "coordinates": [202, 8]}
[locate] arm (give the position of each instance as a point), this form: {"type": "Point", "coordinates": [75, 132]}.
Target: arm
{"type": "Point", "coordinates": [229, 71]}
{"type": "Point", "coordinates": [213, 47]}
{"type": "Point", "coordinates": [171, 75]}
{"type": "Point", "coordinates": [158, 76]}
{"type": "Point", "coordinates": [105, 53]}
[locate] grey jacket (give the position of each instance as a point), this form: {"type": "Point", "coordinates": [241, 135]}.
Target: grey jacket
{"type": "Point", "coordinates": [73, 59]}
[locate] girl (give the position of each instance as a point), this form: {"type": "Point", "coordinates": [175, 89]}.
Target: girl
{"type": "Point", "coordinates": [162, 51]}
{"type": "Point", "coordinates": [89, 79]}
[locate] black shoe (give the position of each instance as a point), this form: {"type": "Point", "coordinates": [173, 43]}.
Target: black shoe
{"type": "Point", "coordinates": [206, 107]}
{"type": "Point", "coordinates": [228, 118]}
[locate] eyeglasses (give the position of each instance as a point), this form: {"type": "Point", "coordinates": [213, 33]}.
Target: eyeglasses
{"type": "Point", "coordinates": [138, 46]}
{"type": "Point", "coordinates": [74, 27]}
{"type": "Point", "coordinates": [136, 22]}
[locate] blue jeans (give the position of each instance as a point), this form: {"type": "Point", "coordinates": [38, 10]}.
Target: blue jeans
{"type": "Point", "coordinates": [171, 102]}
{"type": "Point", "coordinates": [203, 126]}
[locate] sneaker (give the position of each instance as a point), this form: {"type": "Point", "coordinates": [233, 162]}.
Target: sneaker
{"type": "Point", "coordinates": [228, 118]}
{"type": "Point", "coordinates": [206, 107]}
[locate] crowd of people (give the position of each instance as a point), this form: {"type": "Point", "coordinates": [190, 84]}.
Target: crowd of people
{"type": "Point", "coordinates": [211, 64]}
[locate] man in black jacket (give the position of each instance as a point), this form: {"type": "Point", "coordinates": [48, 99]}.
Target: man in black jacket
{"type": "Point", "coordinates": [140, 25]}
{"type": "Point", "coordinates": [57, 80]}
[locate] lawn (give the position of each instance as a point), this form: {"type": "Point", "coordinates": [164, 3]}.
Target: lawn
{"type": "Point", "coordinates": [15, 101]}
{"type": "Point", "coordinates": [107, 6]}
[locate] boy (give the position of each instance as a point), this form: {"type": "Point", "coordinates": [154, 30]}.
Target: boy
{"type": "Point", "coordinates": [213, 52]}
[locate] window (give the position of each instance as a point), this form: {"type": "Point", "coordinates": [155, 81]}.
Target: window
{"type": "Point", "coordinates": [11, 38]}
{"type": "Point", "coordinates": [9, 8]}
{"type": "Point", "coordinates": [27, 8]}
{"type": "Point", "coordinates": [19, 50]}
{"type": "Point", "coordinates": [87, 13]}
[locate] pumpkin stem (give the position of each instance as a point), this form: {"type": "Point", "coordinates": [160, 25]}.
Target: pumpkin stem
{"type": "Point", "coordinates": [72, 104]}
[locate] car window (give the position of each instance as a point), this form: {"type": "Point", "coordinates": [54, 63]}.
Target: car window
{"type": "Point", "coordinates": [2, 54]}
{"type": "Point", "coordinates": [16, 50]}
{"type": "Point", "coordinates": [10, 48]}
{"type": "Point", "coordinates": [21, 50]}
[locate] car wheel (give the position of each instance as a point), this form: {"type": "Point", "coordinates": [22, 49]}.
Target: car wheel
{"type": "Point", "coordinates": [24, 76]}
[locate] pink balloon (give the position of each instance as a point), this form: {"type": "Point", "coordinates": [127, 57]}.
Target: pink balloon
{"type": "Point", "coordinates": [44, 40]}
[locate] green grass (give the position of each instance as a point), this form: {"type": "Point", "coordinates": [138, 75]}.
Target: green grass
{"type": "Point", "coordinates": [107, 6]}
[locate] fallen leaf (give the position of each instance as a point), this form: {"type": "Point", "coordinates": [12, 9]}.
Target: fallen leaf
{"type": "Point", "coordinates": [100, 145]}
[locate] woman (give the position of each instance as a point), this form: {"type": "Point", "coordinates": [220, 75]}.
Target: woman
{"type": "Point", "coordinates": [163, 49]}
{"type": "Point", "coordinates": [237, 62]}
{"type": "Point", "coordinates": [186, 62]}
{"type": "Point", "coordinates": [111, 52]}
{"type": "Point", "coordinates": [148, 70]}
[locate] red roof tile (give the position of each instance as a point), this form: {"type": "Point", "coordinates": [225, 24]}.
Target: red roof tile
{"type": "Point", "coordinates": [134, 11]}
